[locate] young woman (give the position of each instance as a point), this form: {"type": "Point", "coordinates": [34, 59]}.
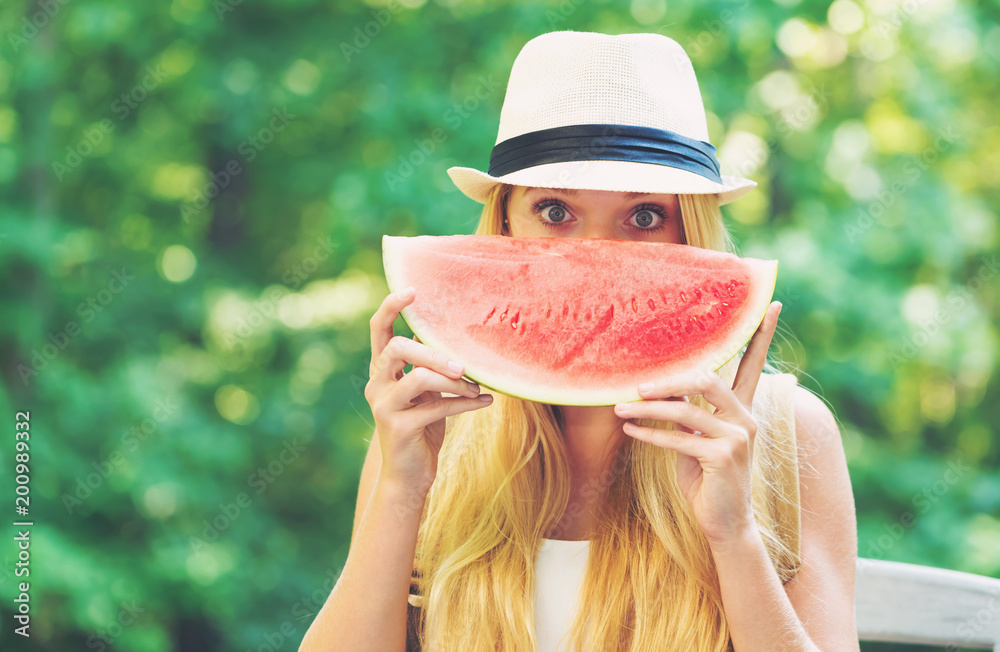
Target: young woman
{"type": "Point", "coordinates": [714, 514]}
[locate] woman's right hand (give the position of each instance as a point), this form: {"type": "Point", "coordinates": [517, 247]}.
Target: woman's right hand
{"type": "Point", "coordinates": [408, 408]}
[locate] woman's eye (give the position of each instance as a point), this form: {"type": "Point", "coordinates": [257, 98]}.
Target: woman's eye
{"type": "Point", "coordinates": [646, 218]}
{"type": "Point", "coordinates": [554, 213]}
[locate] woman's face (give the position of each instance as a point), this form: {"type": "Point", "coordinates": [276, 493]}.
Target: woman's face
{"type": "Point", "coordinates": [549, 212]}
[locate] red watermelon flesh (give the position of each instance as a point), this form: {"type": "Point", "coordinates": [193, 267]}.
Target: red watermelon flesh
{"type": "Point", "coordinates": [577, 321]}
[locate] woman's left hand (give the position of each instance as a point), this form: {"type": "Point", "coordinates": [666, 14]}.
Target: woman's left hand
{"type": "Point", "coordinates": [715, 451]}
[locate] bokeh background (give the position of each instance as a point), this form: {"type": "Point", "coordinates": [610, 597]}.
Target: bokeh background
{"type": "Point", "coordinates": [193, 198]}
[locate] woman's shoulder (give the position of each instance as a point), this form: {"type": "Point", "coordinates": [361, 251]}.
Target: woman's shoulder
{"type": "Point", "coordinates": [807, 404]}
{"type": "Point", "coordinates": [810, 408]}
{"type": "Point", "coordinates": [814, 423]}
{"type": "Point", "coordinates": [778, 380]}
{"type": "Point", "coordinates": [777, 392]}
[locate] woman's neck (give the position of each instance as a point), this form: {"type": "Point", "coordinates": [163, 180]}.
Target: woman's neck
{"type": "Point", "coordinates": [592, 436]}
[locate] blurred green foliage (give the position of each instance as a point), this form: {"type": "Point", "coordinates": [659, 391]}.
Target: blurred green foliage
{"type": "Point", "coordinates": [194, 195]}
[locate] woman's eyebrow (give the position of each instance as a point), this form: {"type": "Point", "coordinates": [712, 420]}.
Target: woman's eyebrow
{"type": "Point", "coordinates": [629, 196]}
{"type": "Point", "coordinates": [565, 191]}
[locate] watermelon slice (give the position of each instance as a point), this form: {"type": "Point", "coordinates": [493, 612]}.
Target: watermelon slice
{"type": "Point", "coordinates": [577, 321]}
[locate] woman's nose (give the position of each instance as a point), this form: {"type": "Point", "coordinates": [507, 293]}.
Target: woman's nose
{"type": "Point", "coordinates": [599, 228]}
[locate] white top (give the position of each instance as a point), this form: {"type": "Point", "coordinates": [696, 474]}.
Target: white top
{"type": "Point", "coordinates": [559, 570]}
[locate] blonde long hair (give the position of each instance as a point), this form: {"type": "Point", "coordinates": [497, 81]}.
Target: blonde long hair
{"type": "Point", "coordinates": [503, 482]}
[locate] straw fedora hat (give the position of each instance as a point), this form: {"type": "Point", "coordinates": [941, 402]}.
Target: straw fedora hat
{"type": "Point", "coordinates": [596, 111]}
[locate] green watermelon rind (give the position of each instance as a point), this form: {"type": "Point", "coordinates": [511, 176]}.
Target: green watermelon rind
{"type": "Point", "coordinates": [728, 350]}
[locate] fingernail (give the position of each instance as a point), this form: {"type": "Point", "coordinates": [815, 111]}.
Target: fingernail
{"type": "Point", "coordinates": [454, 366]}
{"type": "Point", "coordinates": [472, 386]}
{"type": "Point", "coordinates": [646, 387]}
{"type": "Point", "coordinates": [407, 293]}
{"type": "Point", "coordinates": [622, 408]}
{"type": "Point", "coordinates": [485, 398]}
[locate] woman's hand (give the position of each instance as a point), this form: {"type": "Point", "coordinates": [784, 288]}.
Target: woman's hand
{"type": "Point", "coordinates": [408, 408]}
{"type": "Point", "coordinates": [714, 450]}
